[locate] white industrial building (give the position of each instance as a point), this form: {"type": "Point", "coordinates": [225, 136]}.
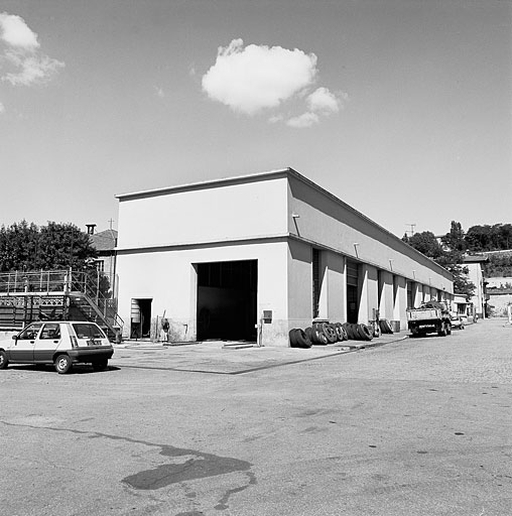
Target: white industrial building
{"type": "Point", "coordinates": [267, 252]}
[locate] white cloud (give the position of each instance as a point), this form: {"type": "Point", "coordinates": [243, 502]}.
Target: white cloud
{"type": "Point", "coordinates": [30, 69]}
{"type": "Point", "coordinates": [2, 108]}
{"type": "Point", "coordinates": [160, 92]}
{"type": "Point", "coordinates": [23, 62]}
{"type": "Point", "coordinates": [323, 101]}
{"type": "Point", "coordinates": [15, 32]}
{"type": "Point", "coordinates": [258, 77]}
{"type": "Point", "coordinates": [302, 121]}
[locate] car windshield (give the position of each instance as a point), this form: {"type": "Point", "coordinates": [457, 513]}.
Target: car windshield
{"type": "Point", "coordinates": [30, 332]}
{"type": "Point", "coordinates": [88, 331]}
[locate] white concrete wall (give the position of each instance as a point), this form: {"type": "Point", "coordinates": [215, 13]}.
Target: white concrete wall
{"type": "Point", "coordinates": [476, 277]}
{"type": "Point", "coordinates": [369, 300]}
{"type": "Point", "coordinates": [300, 281]}
{"type": "Point", "coordinates": [169, 278]}
{"type": "Point", "coordinates": [400, 301]}
{"type": "Point", "coordinates": [386, 305]}
{"type": "Point", "coordinates": [215, 214]}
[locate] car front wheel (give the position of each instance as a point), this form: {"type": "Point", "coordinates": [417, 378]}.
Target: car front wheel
{"type": "Point", "coordinates": [63, 364]}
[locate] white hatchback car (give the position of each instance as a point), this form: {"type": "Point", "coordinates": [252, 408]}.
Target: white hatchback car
{"type": "Point", "coordinates": [62, 343]}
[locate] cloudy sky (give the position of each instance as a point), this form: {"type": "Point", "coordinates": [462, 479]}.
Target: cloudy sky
{"type": "Point", "coordinates": [402, 108]}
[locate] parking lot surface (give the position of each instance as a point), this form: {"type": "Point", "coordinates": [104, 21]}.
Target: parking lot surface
{"type": "Point", "coordinates": [219, 357]}
{"type": "Point", "coordinates": [412, 427]}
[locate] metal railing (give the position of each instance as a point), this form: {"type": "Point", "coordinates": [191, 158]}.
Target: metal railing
{"type": "Point", "coordinates": [99, 289]}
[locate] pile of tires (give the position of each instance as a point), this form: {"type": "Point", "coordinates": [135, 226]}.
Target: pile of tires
{"type": "Point", "coordinates": [323, 333]}
{"type": "Point", "coordinates": [358, 331]}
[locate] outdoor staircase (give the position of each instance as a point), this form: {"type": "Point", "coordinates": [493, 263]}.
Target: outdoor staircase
{"type": "Point", "coordinates": [59, 295]}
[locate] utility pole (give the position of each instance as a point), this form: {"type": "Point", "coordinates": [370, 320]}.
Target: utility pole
{"type": "Point", "coordinates": [411, 231]}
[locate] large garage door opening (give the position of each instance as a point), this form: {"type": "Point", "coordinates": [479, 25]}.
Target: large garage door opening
{"type": "Point", "coordinates": [226, 300]}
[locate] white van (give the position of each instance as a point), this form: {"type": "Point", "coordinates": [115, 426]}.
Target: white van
{"type": "Point", "coordinates": [61, 343]}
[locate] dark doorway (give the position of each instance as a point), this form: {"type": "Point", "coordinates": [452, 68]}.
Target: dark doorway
{"type": "Point", "coordinates": [140, 319]}
{"type": "Point", "coordinates": [352, 292]}
{"type": "Point", "coordinates": [226, 300]}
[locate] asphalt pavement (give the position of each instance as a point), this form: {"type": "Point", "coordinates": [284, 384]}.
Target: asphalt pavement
{"type": "Point", "coordinates": [405, 427]}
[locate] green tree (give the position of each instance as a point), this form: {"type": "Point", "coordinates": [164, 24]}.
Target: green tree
{"type": "Point", "coordinates": [18, 246]}
{"type": "Point", "coordinates": [499, 265]}
{"type": "Point", "coordinates": [25, 246]}
{"type": "Point", "coordinates": [449, 255]}
{"type": "Point", "coordinates": [425, 243]}
{"type": "Point", "coordinates": [454, 241]}
{"type": "Point", "coordinates": [489, 238]}
{"type": "Point", "coordinates": [62, 246]}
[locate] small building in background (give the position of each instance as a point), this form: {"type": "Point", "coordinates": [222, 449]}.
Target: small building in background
{"type": "Point", "coordinates": [105, 243]}
{"type": "Point", "coordinates": [476, 276]}
{"type": "Point", "coordinates": [499, 295]}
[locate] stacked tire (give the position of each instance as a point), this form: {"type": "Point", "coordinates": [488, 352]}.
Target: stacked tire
{"type": "Point", "coordinates": [385, 327]}
{"type": "Point", "coordinates": [323, 333]}
{"type": "Point", "coordinates": [299, 338]}
{"type": "Point", "coordinates": [358, 331]}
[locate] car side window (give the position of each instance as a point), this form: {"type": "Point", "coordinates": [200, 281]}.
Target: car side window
{"type": "Point", "coordinates": [50, 331]}
{"type": "Point", "coordinates": [30, 332]}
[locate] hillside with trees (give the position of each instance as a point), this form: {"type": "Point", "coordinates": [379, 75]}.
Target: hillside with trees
{"type": "Point", "coordinates": [450, 249]}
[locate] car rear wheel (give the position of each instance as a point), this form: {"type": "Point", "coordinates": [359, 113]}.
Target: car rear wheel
{"type": "Point", "coordinates": [100, 365]}
{"type": "Point", "coordinates": [63, 364]}
{"type": "Point", "coordinates": [3, 360]}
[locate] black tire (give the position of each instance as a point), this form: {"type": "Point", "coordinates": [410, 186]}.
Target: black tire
{"type": "Point", "coordinates": [352, 331]}
{"type": "Point", "coordinates": [63, 364]}
{"type": "Point", "coordinates": [309, 334]}
{"type": "Point", "coordinates": [348, 331]}
{"type": "Point", "coordinates": [293, 340]}
{"type": "Point", "coordinates": [330, 332]}
{"type": "Point", "coordinates": [100, 365]}
{"type": "Point", "coordinates": [385, 327]}
{"type": "Point", "coordinates": [303, 341]}
{"type": "Point", "coordinates": [4, 362]}
{"type": "Point", "coordinates": [364, 332]}
{"type": "Point", "coordinates": [318, 336]}
{"type": "Point", "coordinates": [340, 331]}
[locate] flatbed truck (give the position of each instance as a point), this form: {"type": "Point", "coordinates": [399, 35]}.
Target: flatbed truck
{"type": "Point", "coordinates": [430, 317]}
